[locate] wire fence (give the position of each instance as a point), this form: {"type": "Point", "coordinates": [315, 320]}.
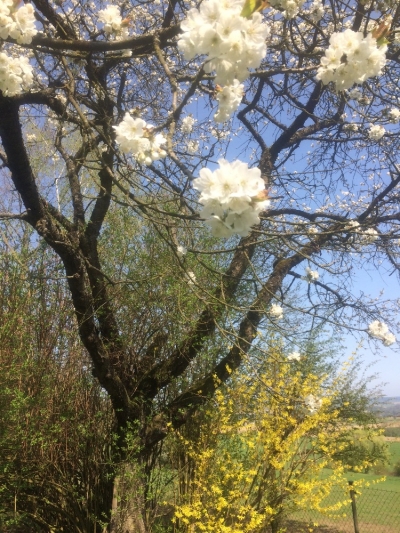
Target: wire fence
{"type": "Point", "coordinates": [370, 511]}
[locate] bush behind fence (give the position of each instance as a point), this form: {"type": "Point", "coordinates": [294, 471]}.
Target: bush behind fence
{"type": "Point", "coordinates": [369, 511]}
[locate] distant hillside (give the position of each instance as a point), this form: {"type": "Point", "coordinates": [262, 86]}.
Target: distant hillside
{"type": "Point", "coordinates": [389, 406]}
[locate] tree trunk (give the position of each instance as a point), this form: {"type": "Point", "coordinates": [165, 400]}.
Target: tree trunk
{"type": "Point", "coordinates": [128, 506]}
{"type": "Point", "coordinates": [276, 524]}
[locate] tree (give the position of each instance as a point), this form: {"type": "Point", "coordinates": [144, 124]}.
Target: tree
{"type": "Point", "coordinates": [80, 86]}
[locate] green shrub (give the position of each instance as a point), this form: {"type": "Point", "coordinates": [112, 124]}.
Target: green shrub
{"type": "Point", "coordinates": [396, 470]}
{"type": "Point", "coordinates": [392, 432]}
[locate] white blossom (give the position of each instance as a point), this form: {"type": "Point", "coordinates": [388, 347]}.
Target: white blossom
{"type": "Point", "coordinates": [294, 356]}
{"type": "Point", "coordinates": [351, 58]}
{"type": "Point", "coordinates": [376, 132]}
{"type": "Point", "coordinates": [355, 94]}
{"type": "Point", "coordinates": [353, 226]}
{"type": "Point", "coordinates": [137, 137]}
{"type": "Point", "coordinates": [232, 197]}
{"type": "Point", "coordinates": [290, 8]}
{"type": "Point", "coordinates": [380, 331]}
{"type": "Point", "coordinates": [190, 277]}
{"type": "Point", "coordinates": [377, 329]}
{"type": "Point", "coordinates": [276, 311]}
{"type": "Point", "coordinates": [181, 251]}
{"type": "Point", "coordinates": [187, 124]}
{"type": "Point", "coordinates": [62, 98]}
{"type": "Point", "coordinates": [312, 403]}
{"type": "Point", "coordinates": [233, 43]}
{"type": "Point", "coordinates": [394, 115]}
{"type": "Point", "coordinates": [17, 23]}
{"type": "Point", "coordinates": [311, 275]}
{"type": "Point", "coordinates": [364, 237]}
{"type": "Point", "coordinates": [229, 99]}
{"type": "Point", "coordinates": [219, 228]}
{"type": "Point", "coordinates": [15, 74]}
{"type": "Point", "coordinates": [193, 147]}
{"type": "Point", "coordinates": [316, 11]}
{"type": "Point", "coordinates": [351, 127]}
{"type": "Point", "coordinates": [369, 236]}
{"type": "Point", "coordinates": [111, 18]}
{"type": "Point", "coordinates": [389, 339]}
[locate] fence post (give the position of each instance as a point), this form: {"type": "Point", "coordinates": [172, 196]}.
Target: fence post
{"type": "Point", "coordinates": [354, 507]}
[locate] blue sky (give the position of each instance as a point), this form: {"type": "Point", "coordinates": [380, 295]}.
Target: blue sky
{"type": "Point", "coordinates": [371, 283]}
{"type": "Point", "coordinates": [387, 361]}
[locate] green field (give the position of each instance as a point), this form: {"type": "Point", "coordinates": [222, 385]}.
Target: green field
{"type": "Point", "coordinates": [394, 448]}
{"type": "Point", "coordinates": [377, 504]}
{"type": "Point", "coordinates": [390, 483]}
{"type": "Point", "coordinates": [384, 481]}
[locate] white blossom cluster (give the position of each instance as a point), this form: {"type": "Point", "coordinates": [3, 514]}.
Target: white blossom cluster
{"type": "Point", "coordinates": [190, 278]}
{"type": "Point", "coordinates": [312, 403]}
{"type": "Point", "coordinates": [181, 251]}
{"type": "Point", "coordinates": [137, 137]}
{"type": "Point", "coordinates": [380, 331]}
{"type": "Point", "coordinates": [355, 94]}
{"type": "Point", "coordinates": [111, 19]}
{"type": "Point", "coordinates": [369, 236]}
{"type": "Point", "coordinates": [187, 124]}
{"type": "Point", "coordinates": [15, 74]}
{"type": "Point", "coordinates": [364, 236]}
{"type": "Point", "coordinates": [311, 275]}
{"type": "Point", "coordinates": [316, 11]}
{"type": "Point", "coordinates": [232, 196]}
{"type": "Point", "coordinates": [229, 99]}
{"type": "Point", "coordinates": [233, 43]}
{"type": "Point", "coordinates": [351, 58]}
{"type": "Point", "coordinates": [192, 147]}
{"type": "Point", "coordinates": [351, 127]}
{"type": "Point", "coordinates": [294, 356]}
{"type": "Point", "coordinates": [376, 132]}
{"type": "Point", "coordinates": [352, 226]}
{"type": "Point", "coordinates": [290, 7]}
{"type": "Point", "coordinates": [17, 23]}
{"type": "Point", "coordinates": [394, 115]}
{"type": "Point", "coordinates": [276, 311]}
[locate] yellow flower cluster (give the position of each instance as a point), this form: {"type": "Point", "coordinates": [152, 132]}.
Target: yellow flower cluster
{"type": "Point", "coordinates": [260, 453]}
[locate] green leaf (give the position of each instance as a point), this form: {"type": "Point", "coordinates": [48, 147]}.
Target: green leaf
{"type": "Point", "coordinates": [251, 6]}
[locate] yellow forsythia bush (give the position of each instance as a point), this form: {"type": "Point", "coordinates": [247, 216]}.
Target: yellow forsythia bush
{"type": "Point", "coordinates": [260, 449]}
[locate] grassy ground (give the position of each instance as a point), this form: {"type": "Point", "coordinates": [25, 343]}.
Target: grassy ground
{"type": "Point", "coordinates": [382, 481]}
{"type": "Point", "coordinates": [389, 483]}
{"type": "Point", "coordinates": [394, 448]}
{"type": "Point", "coordinates": [378, 505]}
{"type": "Point", "coordinates": [293, 526]}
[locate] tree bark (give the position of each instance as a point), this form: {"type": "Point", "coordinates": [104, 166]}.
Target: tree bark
{"type": "Point", "coordinates": [128, 506]}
